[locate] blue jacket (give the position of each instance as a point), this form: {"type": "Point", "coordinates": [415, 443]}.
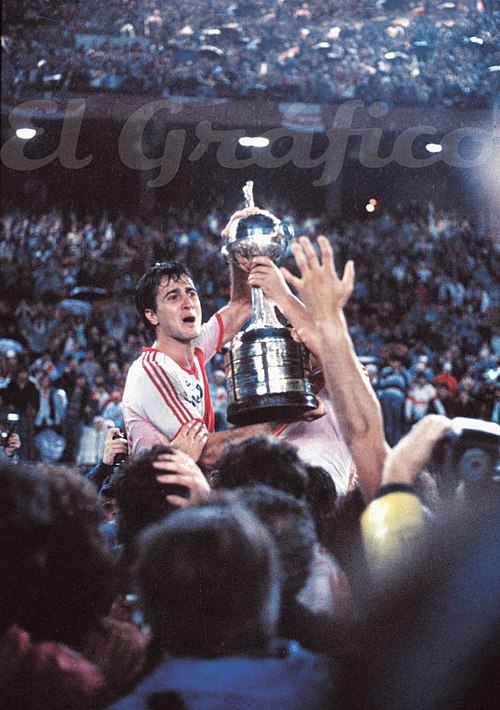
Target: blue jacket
{"type": "Point", "coordinates": [289, 679]}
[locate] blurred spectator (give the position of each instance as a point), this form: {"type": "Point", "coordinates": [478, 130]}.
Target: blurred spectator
{"type": "Point", "coordinates": [78, 413]}
{"type": "Point", "coordinates": [93, 436]}
{"type": "Point", "coordinates": [422, 399]}
{"type": "Point", "coordinates": [47, 414]}
{"type": "Point", "coordinates": [21, 396]}
{"type": "Point", "coordinates": [113, 409]}
{"type": "Point", "coordinates": [392, 390]}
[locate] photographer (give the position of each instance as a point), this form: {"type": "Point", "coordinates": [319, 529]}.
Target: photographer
{"type": "Point", "coordinates": [463, 455]}
{"type": "Point", "coordinates": [8, 453]}
{"type": "Point", "coordinates": [115, 451]}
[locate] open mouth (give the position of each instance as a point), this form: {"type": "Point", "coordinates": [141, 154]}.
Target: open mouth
{"type": "Point", "coordinates": [189, 319]}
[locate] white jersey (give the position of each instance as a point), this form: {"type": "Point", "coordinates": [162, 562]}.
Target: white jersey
{"type": "Point", "coordinates": [321, 443]}
{"type": "Point", "coordinates": [160, 396]}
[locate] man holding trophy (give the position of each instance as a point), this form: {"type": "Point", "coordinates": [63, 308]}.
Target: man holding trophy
{"type": "Point", "coordinates": [166, 398]}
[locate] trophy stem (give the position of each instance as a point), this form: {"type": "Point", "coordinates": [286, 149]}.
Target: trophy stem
{"type": "Point", "coordinates": [258, 306]}
{"type": "Point", "coordinates": [263, 315]}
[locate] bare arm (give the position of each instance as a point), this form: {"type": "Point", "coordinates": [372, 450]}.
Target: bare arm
{"type": "Point", "coordinates": [239, 308]}
{"type": "Point", "coordinates": [356, 404]}
{"type": "Point", "coordinates": [272, 282]}
{"type": "Point", "coordinates": [408, 458]}
{"type": "Point", "coordinates": [218, 441]}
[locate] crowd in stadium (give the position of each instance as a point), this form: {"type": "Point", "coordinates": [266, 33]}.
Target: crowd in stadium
{"type": "Point", "coordinates": [348, 559]}
{"type": "Point", "coordinates": [426, 53]}
{"type": "Point", "coordinates": [255, 581]}
{"type": "Point", "coordinates": [427, 290]}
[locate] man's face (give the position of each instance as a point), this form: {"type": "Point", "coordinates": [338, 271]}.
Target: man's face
{"type": "Point", "coordinates": [178, 310]}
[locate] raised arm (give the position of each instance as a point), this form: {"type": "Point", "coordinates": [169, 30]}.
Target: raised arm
{"type": "Point", "coordinates": [270, 279]}
{"type": "Point", "coordinates": [239, 308]}
{"type": "Point", "coordinates": [356, 404]}
{"type": "Point", "coordinates": [218, 441]}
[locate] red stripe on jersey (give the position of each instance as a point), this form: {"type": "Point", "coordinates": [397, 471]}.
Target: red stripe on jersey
{"type": "Point", "coordinates": [209, 412]}
{"type": "Point", "coordinates": [151, 371]}
{"type": "Point", "coordinates": [220, 340]}
{"type": "Point", "coordinates": [166, 381]}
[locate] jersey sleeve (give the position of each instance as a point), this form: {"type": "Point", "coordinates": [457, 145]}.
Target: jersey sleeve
{"type": "Point", "coordinates": [211, 337]}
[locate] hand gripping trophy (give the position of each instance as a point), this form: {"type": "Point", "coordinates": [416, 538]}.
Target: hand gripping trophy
{"type": "Point", "coordinates": [266, 369]}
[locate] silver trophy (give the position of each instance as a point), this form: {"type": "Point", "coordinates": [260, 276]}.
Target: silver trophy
{"type": "Point", "coordinates": [266, 369]}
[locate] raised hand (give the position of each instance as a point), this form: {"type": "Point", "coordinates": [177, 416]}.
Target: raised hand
{"type": "Point", "coordinates": [240, 214]}
{"type": "Point", "coordinates": [322, 291]}
{"type": "Point", "coordinates": [270, 279]}
{"type": "Point", "coordinates": [408, 458]}
{"type": "Point", "coordinates": [181, 470]}
{"type": "Point", "coordinates": [113, 447]}
{"type": "Point", "coordinates": [191, 439]}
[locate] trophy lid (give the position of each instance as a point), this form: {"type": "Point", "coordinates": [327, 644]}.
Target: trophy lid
{"type": "Point", "coordinates": [259, 233]}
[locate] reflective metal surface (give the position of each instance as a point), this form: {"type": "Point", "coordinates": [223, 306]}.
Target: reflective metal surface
{"type": "Point", "coordinates": [266, 370]}
{"type": "Point", "coordinates": [266, 373]}
{"type": "Point", "coordinates": [257, 235]}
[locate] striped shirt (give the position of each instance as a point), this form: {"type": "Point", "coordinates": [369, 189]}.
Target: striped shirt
{"type": "Point", "coordinates": [161, 396]}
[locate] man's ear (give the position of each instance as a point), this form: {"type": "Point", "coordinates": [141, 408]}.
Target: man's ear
{"type": "Point", "coordinates": [151, 316]}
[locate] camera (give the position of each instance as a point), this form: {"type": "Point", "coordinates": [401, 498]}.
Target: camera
{"type": "Point", "coordinates": [119, 458]}
{"type": "Point", "coordinates": [469, 453]}
{"type": "Point", "coordinates": [11, 422]}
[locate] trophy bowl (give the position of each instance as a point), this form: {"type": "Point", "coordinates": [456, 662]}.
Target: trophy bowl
{"type": "Point", "coordinates": [266, 369]}
{"type": "Point", "coordinates": [257, 235]}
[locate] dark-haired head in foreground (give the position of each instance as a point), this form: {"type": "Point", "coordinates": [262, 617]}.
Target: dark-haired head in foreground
{"type": "Point", "coordinates": [210, 582]}
{"type": "Point", "coordinates": [141, 498]}
{"type": "Point", "coordinates": [262, 460]}
{"type": "Point", "coordinates": [25, 519]}
{"type": "Point", "coordinates": [80, 574]}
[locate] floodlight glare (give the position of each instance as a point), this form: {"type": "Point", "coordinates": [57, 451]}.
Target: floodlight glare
{"type": "Point", "coordinates": [370, 208]}
{"type": "Point", "coordinates": [254, 141]}
{"type": "Point", "coordinates": [434, 147]}
{"type": "Point", "coordinates": [25, 134]}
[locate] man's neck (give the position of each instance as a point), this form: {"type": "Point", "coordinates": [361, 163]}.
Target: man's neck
{"type": "Point", "coordinates": [181, 353]}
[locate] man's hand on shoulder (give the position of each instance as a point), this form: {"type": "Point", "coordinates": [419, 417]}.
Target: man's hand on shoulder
{"type": "Point", "coordinates": [191, 439]}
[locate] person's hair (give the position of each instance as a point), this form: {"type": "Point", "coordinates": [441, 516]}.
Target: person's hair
{"type": "Point", "coordinates": [141, 498]}
{"type": "Point", "coordinates": [146, 289]}
{"type": "Point", "coordinates": [262, 460]}
{"type": "Point", "coordinates": [25, 519]}
{"type": "Point", "coordinates": [80, 581]}
{"type": "Point", "coordinates": [290, 524]}
{"type": "Point", "coordinates": [321, 496]}
{"type": "Point", "coordinates": [209, 582]}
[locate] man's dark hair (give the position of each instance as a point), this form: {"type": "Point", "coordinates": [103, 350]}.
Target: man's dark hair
{"type": "Point", "coordinates": [290, 524]}
{"type": "Point", "coordinates": [262, 460]}
{"type": "Point", "coordinates": [321, 496]}
{"type": "Point", "coordinates": [209, 581]}
{"type": "Point", "coordinates": [141, 498]}
{"type": "Point", "coordinates": [80, 581]}
{"type": "Point", "coordinates": [25, 520]}
{"type": "Point", "coordinates": [146, 289]}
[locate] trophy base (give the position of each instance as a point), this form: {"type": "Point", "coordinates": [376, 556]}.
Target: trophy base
{"type": "Point", "coordinates": [267, 377]}
{"type": "Point", "coordinates": [284, 407]}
